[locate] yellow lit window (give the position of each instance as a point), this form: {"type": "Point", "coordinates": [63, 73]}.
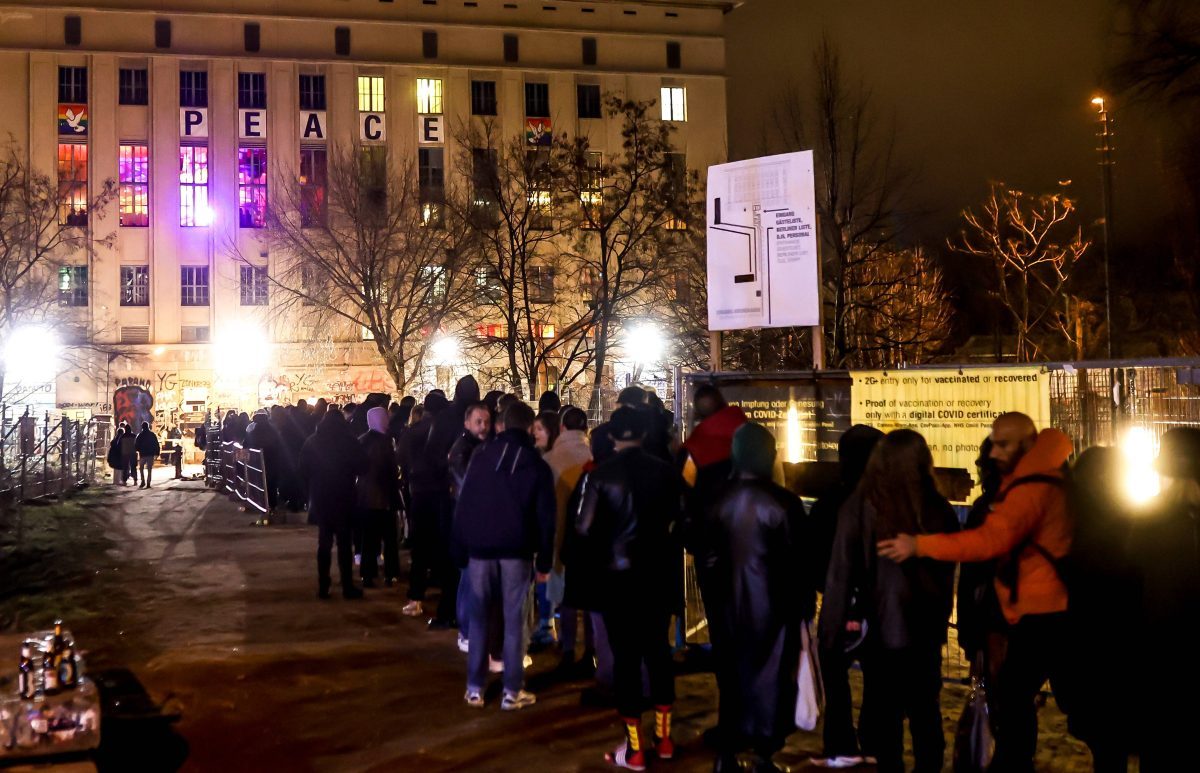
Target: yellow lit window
{"type": "Point", "coordinates": [370, 93]}
{"type": "Point", "coordinates": [674, 103]}
{"type": "Point", "coordinates": [429, 95]}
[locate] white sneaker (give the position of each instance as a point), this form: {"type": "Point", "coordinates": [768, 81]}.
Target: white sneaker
{"type": "Point", "coordinates": [836, 762]}
{"type": "Point", "coordinates": [413, 609]}
{"type": "Point", "coordinates": [495, 666]}
{"type": "Point", "coordinates": [474, 699]}
{"type": "Point", "coordinates": [514, 701]}
{"type": "Point", "coordinates": [527, 662]}
{"type": "Point", "coordinates": [358, 559]}
{"type": "Point", "coordinates": [463, 644]}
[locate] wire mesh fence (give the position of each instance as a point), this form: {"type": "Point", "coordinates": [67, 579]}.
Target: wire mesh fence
{"type": "Point", "coordinates": [47, 455]}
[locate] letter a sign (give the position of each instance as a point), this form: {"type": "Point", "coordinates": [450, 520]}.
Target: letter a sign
{"type": "Point", "coordinates": [193, 122]}
{"type": "Point", "coordinates": [312, 125]}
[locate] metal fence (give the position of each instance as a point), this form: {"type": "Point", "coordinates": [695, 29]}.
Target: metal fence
{"type": "Point", "coordinates": [43, 456]}
{"type": "Point", "coordinates": [238, 472]}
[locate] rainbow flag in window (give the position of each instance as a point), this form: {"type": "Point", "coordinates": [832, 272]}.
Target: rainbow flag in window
{"type": "Point", "coordinates": [73, 120]}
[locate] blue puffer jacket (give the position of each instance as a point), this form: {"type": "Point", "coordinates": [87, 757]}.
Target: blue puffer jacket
{"type": "Point", "coordinates": [506, 506]}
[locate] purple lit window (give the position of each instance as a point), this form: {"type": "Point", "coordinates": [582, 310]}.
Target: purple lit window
{"type": "Point", "coordinates": [135, 186]}
{"type": "Point", "coordinates": [252, 187]}
{"type": "Point", "coordinates": [193, 186]}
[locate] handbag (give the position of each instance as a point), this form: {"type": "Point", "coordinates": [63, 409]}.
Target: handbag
{"type": "Point", "coordinates": [810, 695]}
{"type": "Point", "coordinates": [973, 741]}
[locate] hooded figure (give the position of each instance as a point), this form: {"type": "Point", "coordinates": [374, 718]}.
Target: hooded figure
{"type": "Point", "coordinates": [762, 548]}
{"type": "Point", "coordinates": [263, 436]}
{"type": "Point", "coordinates": [429, 492]}
{"type": "Point", "coordinates": [447, 428]}
{"type": "Point", "coordinates": [378, 493]}
{"type": "Point", "coordinates": [330, 462]}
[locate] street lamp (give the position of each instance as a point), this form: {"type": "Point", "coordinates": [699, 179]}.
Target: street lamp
{"type": "Point", "coordinates": [644, 344]}
{"type": "Point", "coordinates": [31, 355]}
{"type": "Point", "coordinates": [1105, 150]}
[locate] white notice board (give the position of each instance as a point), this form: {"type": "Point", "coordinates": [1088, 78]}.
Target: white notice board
{"type": "Point", "coordinates": [762, 243]}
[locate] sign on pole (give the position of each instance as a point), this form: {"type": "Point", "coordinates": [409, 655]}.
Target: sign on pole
{"type": "Point", "coordinates": [762, 243]}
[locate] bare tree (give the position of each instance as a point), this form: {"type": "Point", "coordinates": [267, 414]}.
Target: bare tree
{"type": "Point", "coordinates": [900, 310]}
{"type": "Point", "coordinates": [1031, 245]}
{"type": "Point", "coordinates": [358, 246]}
{"type": "Point", "coordinates": [44, 223]}
{"type": "Point", "coordinates": [625, 206]}
{"type": "Point", "coordinates": [860, 186]}
{"type": "Point", "coordinates": [510, 198]}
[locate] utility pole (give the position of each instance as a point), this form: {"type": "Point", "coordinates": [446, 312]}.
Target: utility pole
{"type": "Point", "coordinates": [1105, 149]}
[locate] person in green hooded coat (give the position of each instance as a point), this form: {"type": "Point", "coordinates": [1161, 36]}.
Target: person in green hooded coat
{"type": "Point", "coordinates": [763, 548]}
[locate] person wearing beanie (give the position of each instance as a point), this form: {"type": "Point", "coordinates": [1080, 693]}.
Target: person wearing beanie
{"type": "Point", "coordinates": [428, 491]}
{"type": "Point", "coordinates": [762, 548]}
{"type": "Point", "coordinates": [549, 401]}
{"type": "Point", "coordinates": [626, 543]}
{"type": "Point", "coordinates": [602, 441]}
{"type": "Point", "coordinates": [377, 495]}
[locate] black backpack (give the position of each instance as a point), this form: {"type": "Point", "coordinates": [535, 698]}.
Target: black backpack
{"type": "Point", "coordinates": [1008, 570]}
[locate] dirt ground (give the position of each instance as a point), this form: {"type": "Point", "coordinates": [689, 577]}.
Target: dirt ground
{"type": "Point", "coordinates": [220, 622]}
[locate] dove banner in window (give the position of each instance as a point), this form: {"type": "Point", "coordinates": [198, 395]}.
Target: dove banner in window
{"type": "Point", "coordinates": [72, 120]}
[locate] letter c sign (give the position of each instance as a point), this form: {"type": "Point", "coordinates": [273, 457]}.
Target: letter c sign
{"type": "Point", "coordinates": [372, 127]}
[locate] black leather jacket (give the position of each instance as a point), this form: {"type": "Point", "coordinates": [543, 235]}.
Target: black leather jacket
{"type": "Point", "coordinates": [626, 523]}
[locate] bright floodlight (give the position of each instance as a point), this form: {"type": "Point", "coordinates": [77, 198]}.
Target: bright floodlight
{"type": "Point", "coordinates": [241, 349]}
{"type": "Point", "coordinates": [445, 351]}
{"type": "Point", "coordinates": [31, 355]}
{"type": "Point", "coordinates": [644, 343]}
{"type": "Point", "coordinates": [794, 443]}
{"type": "Point", "coordinates": [205, 215]}
{"type": "Point", "coordinates": [1141, 481]}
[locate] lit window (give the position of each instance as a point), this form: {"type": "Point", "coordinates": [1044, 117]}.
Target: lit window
{"type": "Point", "coordinates": [135, 285]}
{"type": "Point", "coordinates": [674, 103]}
{"type": "Point", "coordinates": [313, 176]}
{"type": "Point", "coordinates": [487, 283]}
{"type": "Point", "coordinates": [592, 194]}
{"type": "Point", "coordinates": [193, 186]}
{"type": "Point", "coordinates": [429, 96]}
{"type": "Point", "coordinates": [134, 167]}
{"type": "Point", "coordinates": [431, 177]}
{"type": "Point", "coordinates": [370, 93]}
{"type": "Point", "coordinates": [73, 285]}
{"type": "Point", "coordinates": [435, 276]}
{"type": "Point", "coordinates": [485, 330]}
{"type": "Point", "coordinates": [193, 285]}
{"type": "Point", "coordinates": [72, 184]}
{"type": "Point", "coordinates": [254, 286]}
{"type": "Point", "coordinates": [541, 208]}
{"type": "Point", "coordinates": [252, 187]}
{"type": "Point", "coordinates": [543, 330]}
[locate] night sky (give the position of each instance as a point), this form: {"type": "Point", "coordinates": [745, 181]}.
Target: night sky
{"type": "Point", "coordinates": [978, 90]}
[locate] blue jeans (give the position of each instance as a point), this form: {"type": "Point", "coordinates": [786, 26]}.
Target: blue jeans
{"type": "Point", "coordinates": [461, 604]}
{"type": "Point", "coordinates": [504, 582]}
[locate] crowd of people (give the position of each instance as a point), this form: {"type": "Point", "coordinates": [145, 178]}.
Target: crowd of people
{"type": "Point", "coordinates": [534, 528]}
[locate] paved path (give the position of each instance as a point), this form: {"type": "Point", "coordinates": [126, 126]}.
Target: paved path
{"type": "Point", "coordinates": [220, 620]}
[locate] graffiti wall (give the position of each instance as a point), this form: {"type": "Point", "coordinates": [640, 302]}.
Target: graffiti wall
{"type": "Point", "coordinates": [133, 404]}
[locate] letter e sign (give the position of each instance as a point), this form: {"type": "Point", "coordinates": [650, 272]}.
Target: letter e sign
{"type": "Point", "coordinates": [430, 129]}
{"type": "Point", "coordinates": [252, 124]}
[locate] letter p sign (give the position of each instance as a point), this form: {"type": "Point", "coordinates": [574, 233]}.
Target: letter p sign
{"type": "Point", "coordinates": [193, 122]}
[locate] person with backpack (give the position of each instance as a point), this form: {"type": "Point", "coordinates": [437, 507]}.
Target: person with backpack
{"type": "Point", "coordinates": [1028, 533]}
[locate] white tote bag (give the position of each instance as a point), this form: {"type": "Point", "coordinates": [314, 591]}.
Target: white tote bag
{"type": "Point", "coordinates": [810, 696]}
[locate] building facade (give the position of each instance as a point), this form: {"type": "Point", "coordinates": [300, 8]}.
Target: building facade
{"type": "Point", "coordinates": [195, 109]}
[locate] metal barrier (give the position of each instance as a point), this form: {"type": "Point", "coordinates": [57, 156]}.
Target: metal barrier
{"type": "Point", "coordinates": [42, 457]}
{"type": "Point", "coordinates": [238, 472]}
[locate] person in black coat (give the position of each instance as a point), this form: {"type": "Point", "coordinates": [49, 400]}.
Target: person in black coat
{"type": "Point", "coordinates": [148, 449]}
{"type": "Point", "coordinates": [330, 462]}
{"type": "Point", "coordinates": [429, 492]}
{"type": "Point", "coordinates": [261, 435]}
{"type": "Point", "coordinates": [503, 531]}
{"type": "Point", "coordinates": [602, 441]}
{"type": "Point", "coordinates": [763, 550]}
{"type": "Point", "coordinates": [476, 427]}
{"type": "Point", "coordinates": [629, 508]}
{"type": "Point", "coordinates": [1164, 548]}
{"type": "Point", "coordinates": [115, 459]}
{"type": "Point", "coordinates": [378, 494]}
{"type": "Point", "coordinates": [842, 745]}
{"type": "Point", "coordinates": [904, 607]}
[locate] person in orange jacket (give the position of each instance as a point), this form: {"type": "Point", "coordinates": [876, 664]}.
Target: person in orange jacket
{"type": "Point", "coordinates": [1027, 532]}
